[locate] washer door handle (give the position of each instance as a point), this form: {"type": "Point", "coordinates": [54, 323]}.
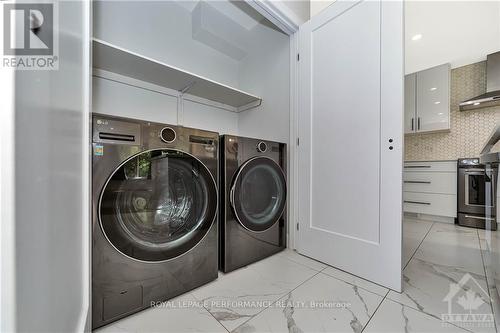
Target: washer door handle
{"type": "Point", "coordinates": [231, 196]}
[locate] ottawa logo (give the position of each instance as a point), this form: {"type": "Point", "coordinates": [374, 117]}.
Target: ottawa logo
{"type": "Point", "coordinates": [468, 304]}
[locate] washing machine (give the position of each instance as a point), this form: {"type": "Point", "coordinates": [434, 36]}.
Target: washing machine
{"type": "Point", "coordinates": [253, 202]}
{"type": "Point", "coordinates": [154, 221]}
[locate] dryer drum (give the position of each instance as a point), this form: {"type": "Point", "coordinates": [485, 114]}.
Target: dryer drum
{"type": "Point", "coordinates": [158, 205]}
{"type": "Point", "coordinates": [258, 194]}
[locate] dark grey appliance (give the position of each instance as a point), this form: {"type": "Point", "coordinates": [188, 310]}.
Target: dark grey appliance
{"type": "Point", "coordinates": [492, 95]}
{"type": "Point", "coordinates": [476, 194]}
{"type": "Point", "coordinates": [252, 200]}
{"type": "Point", "coordinates": [154, 203]}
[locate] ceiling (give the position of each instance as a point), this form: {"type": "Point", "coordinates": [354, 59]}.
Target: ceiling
{"type": "Point", "coordinates": [458, 32]}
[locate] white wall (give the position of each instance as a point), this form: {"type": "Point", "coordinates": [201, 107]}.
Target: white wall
{"type": "Point", "coordinates": [458, 32]}
{"type": "Point", "coordinates": [301, 9]}
{"type": "Point", "coordinates": [318, 5]}
{"type": "Point", "coordinates": [118, 99]}
{"type": "Point", "coordinates": [50, 204]}
{"type": "Point", "coordinates": [210, 118]}
{"type": "Point", "coordinates": [161, 30]}
{"type": "Point", "coordinates": [166, 35]}
{"type": "Point", "coordinates": [265, 72]}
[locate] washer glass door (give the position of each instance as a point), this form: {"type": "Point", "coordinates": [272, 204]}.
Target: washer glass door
{"type": "Point", "coordinates": [158, 205]}
{"type": "Point", "coordinates": [258, 194]}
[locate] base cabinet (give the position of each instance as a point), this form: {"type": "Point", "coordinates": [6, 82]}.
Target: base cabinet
{"type": "Point", "coordinates": [430, 188]}
{"type": "Point", "coordinates": [430, 204]}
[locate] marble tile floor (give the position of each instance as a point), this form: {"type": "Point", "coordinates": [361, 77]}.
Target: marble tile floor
{"type": "Point", "coordinates": [292, 293]}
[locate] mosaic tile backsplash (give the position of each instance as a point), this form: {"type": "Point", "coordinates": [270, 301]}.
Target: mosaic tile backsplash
{"type": "Point", "coordinates": [469, 129]}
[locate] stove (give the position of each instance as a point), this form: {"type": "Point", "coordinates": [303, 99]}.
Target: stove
{"type": "Point", "coordinates": [477, 194]}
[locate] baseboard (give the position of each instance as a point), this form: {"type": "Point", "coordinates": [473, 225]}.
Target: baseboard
{"type": "Point", "coordinates": [432, 218]}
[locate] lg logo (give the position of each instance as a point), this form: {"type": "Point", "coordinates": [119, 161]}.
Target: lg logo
{"type": "Point", "coordinates": [28, 29]}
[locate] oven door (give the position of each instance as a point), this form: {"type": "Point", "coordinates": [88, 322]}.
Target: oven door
{"type": "Point", "coordinates": [477, 188]}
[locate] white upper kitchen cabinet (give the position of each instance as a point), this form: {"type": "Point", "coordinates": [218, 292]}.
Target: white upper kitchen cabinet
{"type": "Point", "coordinates": [433, 99]}
{"type": "Point", "coordinates": [410, 102]}
{"type": "Point", "coordinates": [427, 100]}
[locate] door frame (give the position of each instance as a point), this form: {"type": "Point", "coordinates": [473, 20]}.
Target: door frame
{"type": "Point", "coordinates": [283, 18]}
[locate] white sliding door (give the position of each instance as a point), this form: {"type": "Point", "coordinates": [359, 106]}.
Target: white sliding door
{"type": "Point", "coordinates": [351, 139]}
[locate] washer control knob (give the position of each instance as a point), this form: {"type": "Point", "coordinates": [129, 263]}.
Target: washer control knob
{"type": "Point", "coordinates": [167, 134]}
{"type": "Point", "coordinates": [261, 147]}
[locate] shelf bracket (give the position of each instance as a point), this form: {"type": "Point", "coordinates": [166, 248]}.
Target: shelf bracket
{"type": "Point", "coordinates": [180, 110]}
{"type": "Point", "coordinates": [249, 106]}
{"type": "Point", "coordinates": [186, 88]}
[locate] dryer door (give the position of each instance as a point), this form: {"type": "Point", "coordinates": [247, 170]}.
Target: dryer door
{"type": "Point", "coordinates": [158, 205]}
{"type": "Point", "coordinates": [258, 194]}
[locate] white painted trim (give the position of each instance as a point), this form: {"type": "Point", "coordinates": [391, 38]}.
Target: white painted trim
{"type": "Point", "coordinates": [85, 323]}
{"type": "Point", "coordinates": [7, 204]}
{"type": "Point", "coordinates": [432, 218]}
{"type": "Point", "coordinates": [293, 149]}
{"type": "Point", "coordinates": [278, 14]}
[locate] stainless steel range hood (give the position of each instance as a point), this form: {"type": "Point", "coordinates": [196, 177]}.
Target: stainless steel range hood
{"type": "Point", "coordinates": [492, 95]}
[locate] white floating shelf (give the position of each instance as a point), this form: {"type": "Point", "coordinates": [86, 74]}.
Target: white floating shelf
{"type": "Point", "coordinates": [112, 58]}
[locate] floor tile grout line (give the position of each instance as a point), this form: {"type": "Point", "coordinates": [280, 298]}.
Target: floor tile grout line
{"type": "Point", "coordinates": [299, 263]}
{"type": "Point", "coordinates": [374, 312]}
{"type": "Point", "coordinates": [323, 273]}
{"type": "Point", "coordinates": [274, 302]}
{"type": "Point", "coordinates": [355, 285]}
{"type": "Point", "coordinates": [279, 254]}
{"type": "Point", "coordinates": [420, 244]}
{"type": "Point", "coordinates": [416, 309]}
{"type": "Point", "coordinates": [218, 322]}
{"type": "Point", "coordinates": [487, 282]}
{"type": "Point", "coordinates": [426, 313]}
{"type": "Point", "coordinates": [337, 278]}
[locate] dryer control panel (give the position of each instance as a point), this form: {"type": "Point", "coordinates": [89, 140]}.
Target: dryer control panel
{"type": "Point", "coordinates": [115, 131]}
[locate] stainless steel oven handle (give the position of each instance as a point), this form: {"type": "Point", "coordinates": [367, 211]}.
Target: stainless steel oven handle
{"type": "Point", "coordinates": [417, 202]}
{"type": "Point", "coordinates": [480, 218]}
{"type": "Point", "coordinates": [416, 182]}
{"type": "Point", "coordinates": [477, 171]}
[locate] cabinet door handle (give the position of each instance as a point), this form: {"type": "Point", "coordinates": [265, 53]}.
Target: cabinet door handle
{"type": "Point", "coordinates": [418, 123]}
{"type": "Point", "coordinates": [416, 182]}
{"type": "Point", "coordinates": [416, 166]}
{"type": "Point", "coordinates": [417, 202]}
{"type": "Point", "coordinates": [412, 124]}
